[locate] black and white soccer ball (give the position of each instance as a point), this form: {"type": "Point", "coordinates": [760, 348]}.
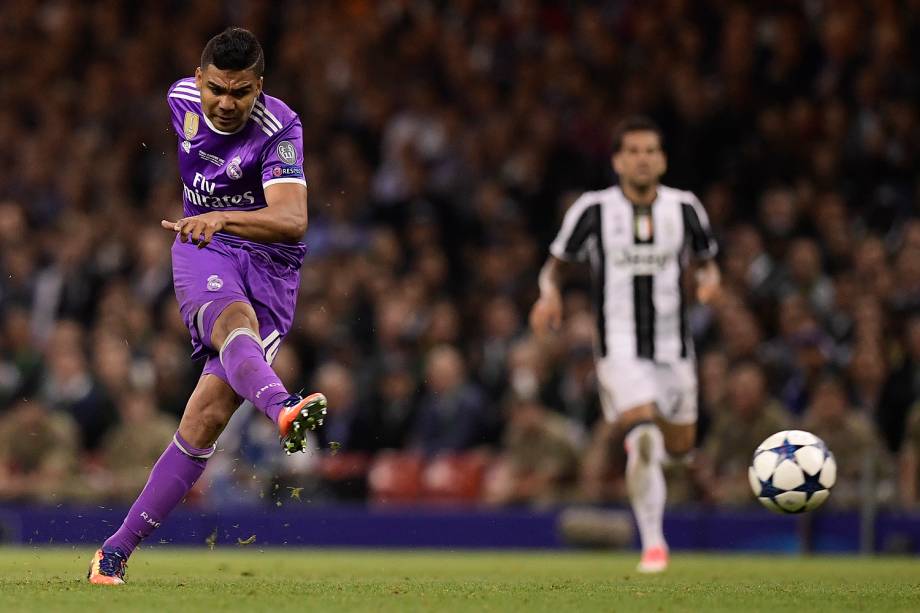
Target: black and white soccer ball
{"type": "Point", "coordinates": [793, 471]}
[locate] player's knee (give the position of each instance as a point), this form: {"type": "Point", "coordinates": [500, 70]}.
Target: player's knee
{"type": "Point", "coordinates": [679, 445]}
{"type": "Point", "coordinates": [644, 441]}
{"type": "Point", "coordinates": [236, 315]}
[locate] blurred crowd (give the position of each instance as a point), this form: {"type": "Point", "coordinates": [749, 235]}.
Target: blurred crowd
{"type": "Point", "coordinates": [443, 142]}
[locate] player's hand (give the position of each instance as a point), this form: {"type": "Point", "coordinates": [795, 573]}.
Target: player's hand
{"type": "Point", "coordinates": [198, 229]}
{"type": "Point", "coordinates": [708, 284]}
{"type": "Point", "coordinates": [546, 314]}
{"type": "Point", "coordinates": [708, 293]}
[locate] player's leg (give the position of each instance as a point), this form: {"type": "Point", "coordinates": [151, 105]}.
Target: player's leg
{"type": "Point", "coordinates": [677, 408]}
{"type": "Point", "coordinates": [235, 335]}
{"type": "Point", "coordinates": [272, 288]}
{"type": "Point", "coordinates": [216, 289]}
{"type": "Point", "coordinates": [628, 395]}
{"type": "Point", "coordinates": [174, 474]}
{"type": "Point", "coordinates": [245, 366]}
{"type": "Point", "coordinates": [669, 439]}
{"type": "Point", "coordinates": [645, 483]}
{"type": "Point", "coordinates": [679, 440]}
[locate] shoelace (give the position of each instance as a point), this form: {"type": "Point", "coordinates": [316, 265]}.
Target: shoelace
{"type": "Point", "coordinates": [112, 565]}
{"type": "Point", "coordinates": [293, 399]}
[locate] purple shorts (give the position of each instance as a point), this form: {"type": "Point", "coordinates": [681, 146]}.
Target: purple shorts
{"type": "Point", "coordinates": [208, 280]}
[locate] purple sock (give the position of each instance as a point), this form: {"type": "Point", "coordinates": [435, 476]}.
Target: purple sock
{"type": "Point", "coordinates": [172, 477]}
{"type": "Point", "coordinates": [250, 375]}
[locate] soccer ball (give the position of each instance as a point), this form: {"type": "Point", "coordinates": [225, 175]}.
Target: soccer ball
{"type": "Point", "coordinates": [792, 472]}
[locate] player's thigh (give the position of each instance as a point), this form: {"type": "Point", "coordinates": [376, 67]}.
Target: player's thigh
{"type": "Point", "coordinates": [679, 439]}
{"type": "Point", "coordinates": [627, 389]}
{"type": "Point", "coordinates": [207, 411]}
{"type": "Point", "coordinates": [677, 405]}
{"type": "Point", "coordinates": [272, 288]}
{"type": "Point", "coordinates": [206, 282]}
{"type": "Point", "coordinates": [235, 315]}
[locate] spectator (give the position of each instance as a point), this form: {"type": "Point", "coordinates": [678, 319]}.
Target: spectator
{"type": "Point", "coordinates": [347, 437]}
{"type": "Point", "coordinates": [394, 406]}
{"type": "Point", "coordinates": [130, 448]}
{"type": "Point", "coordinates": [804, 276]}
{"type": "Point", "coordinates": [853, 436]}
{"type": "Point", "coordinates": [909, 463]}
{"type": "Point", "coordinates": [70, 387]}
{"type": "Point", "coordinates": [747, 418]}
{"type": "Point", "coordinates": [902, 389]}
{"type": "Point", "coordinates": [538, 463]}
{"type": "Point", "coordinates": [453, 415]}
{"type": "Point", "coordinates": [39, 452]}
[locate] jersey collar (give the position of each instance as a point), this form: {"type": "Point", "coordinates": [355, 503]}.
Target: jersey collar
{"type": "Point", "coordinates": [215, 130]}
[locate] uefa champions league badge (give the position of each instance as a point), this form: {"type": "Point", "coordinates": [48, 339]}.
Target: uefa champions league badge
{"type": "Point", "coordinates": [286, 152]}
{"type": "Point", "coordinates": [186, 146]}
{"type": "Point", "coordinates": [233, 169]}
{"type": "Point", "coordinates": [215, 283]}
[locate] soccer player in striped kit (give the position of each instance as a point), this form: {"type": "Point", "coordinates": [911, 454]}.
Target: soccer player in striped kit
{"type": "Point", "coordinates": [236, 270]}
{"type": "Point", "coordinates": [637, 237]}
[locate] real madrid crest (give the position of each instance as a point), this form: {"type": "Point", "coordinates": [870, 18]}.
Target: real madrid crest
{"type": "Point", "coordinates": [233, 169]}
{"type": "Point", "coordinates": [190, 125]}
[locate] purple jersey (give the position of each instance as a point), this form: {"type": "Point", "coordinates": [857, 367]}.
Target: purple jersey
{"type": "Point", "coordinates": [224, 171]}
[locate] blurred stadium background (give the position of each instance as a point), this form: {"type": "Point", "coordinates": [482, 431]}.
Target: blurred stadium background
{"type": "Point", "coordinates": [443, 141]}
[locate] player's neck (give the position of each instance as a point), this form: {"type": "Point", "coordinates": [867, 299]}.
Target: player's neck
{"type": "Point", "coordinates": [640, 195]}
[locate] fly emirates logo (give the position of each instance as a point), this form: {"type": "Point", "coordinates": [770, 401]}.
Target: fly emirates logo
{"type": "Point", "coordinates": [202, 194]}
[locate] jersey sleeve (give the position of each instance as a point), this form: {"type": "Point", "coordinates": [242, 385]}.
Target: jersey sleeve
{"type": "Point", "coordinates": [697, 230]}
{"type": "Point", "coordinates": [183, 98]}
{"type": "Point", "coordinates": [282, 158]}
{"type": "Point", "coordinates": [581, 221]}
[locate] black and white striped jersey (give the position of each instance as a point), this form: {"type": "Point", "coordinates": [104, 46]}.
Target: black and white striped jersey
{"type": "Point", "coordinates": [637, 254]}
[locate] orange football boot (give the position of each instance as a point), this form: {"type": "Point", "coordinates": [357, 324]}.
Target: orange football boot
{"type": "Point", "coordinates": [299, 416]}
{"type": "Point", "coordinates": [107, 568]}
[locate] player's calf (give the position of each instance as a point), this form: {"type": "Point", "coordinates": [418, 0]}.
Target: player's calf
{"type": "Point", "coordinates": [645, 483]}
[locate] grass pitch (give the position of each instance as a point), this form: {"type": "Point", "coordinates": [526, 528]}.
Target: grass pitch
{"type": "Point", "coordinates": [247, 579]}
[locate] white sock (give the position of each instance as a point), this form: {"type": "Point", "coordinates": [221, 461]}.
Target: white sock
{"type": "Point", "coordinates": [645, 483]}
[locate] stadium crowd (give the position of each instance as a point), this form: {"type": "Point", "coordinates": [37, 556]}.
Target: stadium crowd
{"type": "Point", "coordinates": [443, 141]}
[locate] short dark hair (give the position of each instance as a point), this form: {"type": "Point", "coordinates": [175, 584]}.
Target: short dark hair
{"type": "Point", "coordinates": [635, 123]}
{"type": "Point", "coordinates": [234, 49]}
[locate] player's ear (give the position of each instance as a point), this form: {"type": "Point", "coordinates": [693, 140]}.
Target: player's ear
{"type": "Point", "coordinates": [198, 77]}
{"type": "Point", "coordinates": [615, 162]}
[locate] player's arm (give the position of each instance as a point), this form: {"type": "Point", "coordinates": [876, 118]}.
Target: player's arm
{"type": "Point", "coordinates": [704, 248]}
{"type": "Point", "coordinates": [546, 313]}
{"type": "Point", "coordinates": [284, 220]}
{"type": "Point", "coordinates": [581, 221]}
{"type": "Point", "coordinates": [708, 281]}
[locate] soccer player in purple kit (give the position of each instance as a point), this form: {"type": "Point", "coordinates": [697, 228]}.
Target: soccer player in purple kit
{"type": "Point", "coordinates": [236, 270]}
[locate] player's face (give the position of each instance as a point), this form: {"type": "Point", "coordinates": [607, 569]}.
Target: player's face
{"type": "Point", "coordinates": [640, 160]}
{"type": "Point", "coordinates": [227, 96]}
